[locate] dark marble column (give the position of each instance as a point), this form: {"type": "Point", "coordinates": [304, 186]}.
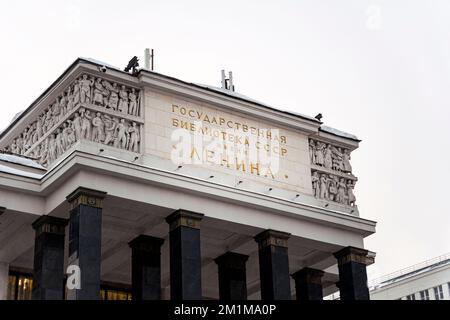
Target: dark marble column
{"type": "Point", "coordinates": [48, 270]}
{"type": "Point", "coordinates": [185, 258]}
{"type": "Point", "coordinates": [85, 234]}
{"type": "Point", "coordinates": [146, 267]}
{"type": "Point", "coordinates": [232, 276]}
{"type": "Point", "coordinates": [352, 273]}
{"type": "Point", "coordinates": [308, 284]}
{"type": "Point", "coordinates": [274, 265]}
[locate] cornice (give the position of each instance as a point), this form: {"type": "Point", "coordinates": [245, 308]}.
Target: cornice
{"type": "Point", "coordinates": [79, 160]}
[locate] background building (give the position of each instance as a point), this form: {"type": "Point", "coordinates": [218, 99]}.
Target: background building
{"type": "Point", "coordinates": [429, 280]}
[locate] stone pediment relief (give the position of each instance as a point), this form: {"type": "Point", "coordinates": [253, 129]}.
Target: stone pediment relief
{"type": "Point", "coordinates": [331, 173]}
{"type": "Point", "coordinates": [90, 108]}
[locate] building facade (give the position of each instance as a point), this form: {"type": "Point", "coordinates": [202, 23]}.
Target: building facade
{"type": "Point", "coordinates": [149, 187]}
{"type": "Point", "coordinates": [429, 280]}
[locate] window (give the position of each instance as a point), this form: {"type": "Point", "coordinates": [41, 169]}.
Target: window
{"type": "Point", "coordinates": [19, 286]}
{"type": "Point", "coordinates": [438, 293]}
{"type": "Point", "coordinates": [107, 293]}
{"type": "Point", "coordinates": [424, 295]}
{"type": "Point", "coordinates": [411, 297]}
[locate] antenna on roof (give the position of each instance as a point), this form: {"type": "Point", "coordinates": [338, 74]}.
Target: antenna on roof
{"type": "Point", "coordinates": [227, 84]}
{"type": "Point", "coordinates": [148, 58]}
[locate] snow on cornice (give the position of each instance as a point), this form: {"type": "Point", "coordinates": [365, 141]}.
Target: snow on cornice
{"type": "Point", "coordinates": [338, 133]}
{"type": "Point", "coordinates": [16, 159]}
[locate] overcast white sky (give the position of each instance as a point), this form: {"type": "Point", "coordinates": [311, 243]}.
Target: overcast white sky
{"type": "Point", "coordinates": [378, 69]}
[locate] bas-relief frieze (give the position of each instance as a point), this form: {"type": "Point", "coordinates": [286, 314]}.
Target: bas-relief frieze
{"type": "Point", "coordinates": [91, 108]}
{"type": "Point", "coordinates": [331, 173]}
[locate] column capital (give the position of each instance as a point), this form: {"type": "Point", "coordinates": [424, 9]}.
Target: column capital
{"type": "Point", "coordinates": [184, 218]}
{"type": "Point", "coordinates": [309, 275]}
{"type": "Point", "coordinates": [353, 254]}
{"type": "Point", "coordinates": [86, 196]}
{"type": "Point", "coordinates": [146, 243]}
{"type": "Point", "coordinates": [49, 224]}
{"type": "Point", "coordinates": [232, 260]}
{"type": "Point", "coordinates": [272, 238]}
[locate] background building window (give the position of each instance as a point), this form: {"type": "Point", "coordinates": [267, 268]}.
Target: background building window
{"type": "Point", "coordinates": [411, 297]}
{"type": "Point", "coordinates": [438, 293]}
{"type": "Point", "coordinates": [424, 295]}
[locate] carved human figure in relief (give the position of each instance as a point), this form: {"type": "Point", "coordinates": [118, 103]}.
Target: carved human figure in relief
{"type": "Point", "coordinates": [76, 93]}
{"type": "Point", "coordinates": [323, 186]}
{"type": "Point", "coordinates": [133, 132]}
{"type": "Point", "coordinates": [69, 99]}
{"type": "Point", "coordinates": [113, 97]}
{"type": "Point", "coordinates": [347, 167]}
{"type": "Point", "coordinates": [315, 184]}
{"type": "Point", "coordinates": [106, 92]}
{"type": "Point", "coordinates": [76, 123]}
{"type": "Point", "coordinates": [85, 89]}
{"type": "Point", "coordinates": [342, 186]}
{"type": "Point", "coordinates": [98, 132]}
{"type": "Point", "coordinates": [351, 197]}
{"type": "Point", "coordinates": [312, 149]}
{"type": "Point", "coordinates": [337, 158]}
{"type": "Point", "coordinates": [48, 120]}
{"type": "Point", "coordinates": [43, 153]}
{"type": "Point", "coordinates": [319, 153]}
{"type": "Point", "coordinates": [328, 160]}
{"type": "Point", "coordinates": [55, 112]}
{"type": "Point", "coordinates": [332, 188]}
{"type": "Point", "coordinates": [123, 100]}
{"type": "Point", "coordinates": [71, 138]}
{"type": "Point", "coordinates": [13, 147]}
{"type": "Point", "coordinates": [133, 103]}
{"type": "Point", "coordinates": [98, 92]}
{"type": "Point", "coordinates": [52, 151]}
{"type": "Point", "coordinates": [19, 144]}
{"type": "Point", "coordinates": [122, 135]}
{"type": "Point", "coordinates": [62, 105]}
{"type": "Point", "coordinates": [86, 125]}
{"type": "Point", "coordinates": [29, 137]}
{"type": "Point", "coordinates": [110, 126]}
{"type": "Point", "coordinates": [59, 143]}
{"type": "Point", "coordinates": [68, 134]}
{"type": "Point", "coordinates": [39, 127]}
{"type": "Point", "coordinates": [34, 136]}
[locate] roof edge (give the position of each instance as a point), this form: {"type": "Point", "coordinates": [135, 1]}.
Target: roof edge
{"type": "Point", "coordinates": [207, 88]}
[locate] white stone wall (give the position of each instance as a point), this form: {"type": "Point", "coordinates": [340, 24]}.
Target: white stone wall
{"type": "Point", "coordinates": [294, 172]}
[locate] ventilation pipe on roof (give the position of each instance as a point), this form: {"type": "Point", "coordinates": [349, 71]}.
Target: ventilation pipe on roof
{"type": "Point", "coordinates": [227, 84]}
{"type": "Point", "coordinates": [148, 59]}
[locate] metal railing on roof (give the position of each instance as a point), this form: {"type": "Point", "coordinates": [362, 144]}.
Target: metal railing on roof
{"type": "Point", "coordinates": [391, 276]}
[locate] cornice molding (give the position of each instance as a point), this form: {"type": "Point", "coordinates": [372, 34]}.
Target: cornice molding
{"type": "Point", "coordinates": [78, 160]}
